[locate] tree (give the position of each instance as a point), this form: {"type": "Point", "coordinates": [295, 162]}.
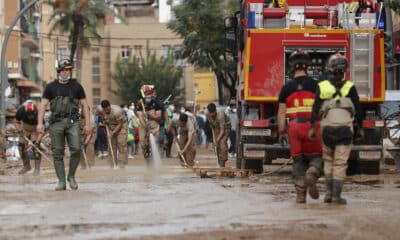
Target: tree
{"type": "Point", "coordinates": [79, 18]}
{"type": "Point", "coordinates": [130, 74]}
{"type": "Point", "coordinates": [201, 25]}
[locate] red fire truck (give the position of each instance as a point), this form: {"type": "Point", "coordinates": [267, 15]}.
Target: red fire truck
{"type": "Point", "coordinates": [265, 36]}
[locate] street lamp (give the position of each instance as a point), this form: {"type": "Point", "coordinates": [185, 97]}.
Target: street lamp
{"type": "Point", "coordinates": [4, 70]}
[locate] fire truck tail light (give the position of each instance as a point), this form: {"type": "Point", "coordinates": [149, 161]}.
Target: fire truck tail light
{"type": "Point", "coordinates": [373, 123]}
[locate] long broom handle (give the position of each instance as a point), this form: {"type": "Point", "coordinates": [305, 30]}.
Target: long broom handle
{"type": "Point", "coordinates": [37, 149]}
{"type": "Point", "coordinates": [110, 145]}
{"type": "Point", "coordinates": [179, 152]}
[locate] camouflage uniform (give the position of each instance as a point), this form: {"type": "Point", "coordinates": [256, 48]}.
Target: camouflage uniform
{"type": "Point", "coordinates": [190, 153]}
{"type": "Point", "coordinates": [150, 127]}
{"type": "Point", "coordinates": [118, 140]}
{"type": "Point", "coordinates": [222, 145]}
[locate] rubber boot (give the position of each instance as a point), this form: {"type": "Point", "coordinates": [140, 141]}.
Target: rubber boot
{"type": "Point", "coordinates": [73, 165]}
{"type": "Point", "coordinates": [60, 172]}
{"type": "Point", "coordinates": [37, 168]}
{"type": "Point", "coordinates": [329, 187]}
{"type": "Point", "coordinates": [337, 192]}
{"type": "Point", "coordinates": [301, 191]}
{"type": "Point", "coordinates": [27, 165]}
{"type": "Point", "coordinates": [311, 179]}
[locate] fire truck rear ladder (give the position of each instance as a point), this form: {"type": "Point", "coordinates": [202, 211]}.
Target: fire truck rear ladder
{"type": "Point", "coordinates": [362, 63]}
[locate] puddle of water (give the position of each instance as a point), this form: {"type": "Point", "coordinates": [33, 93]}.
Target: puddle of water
{"type": "Point", "coordinates": [155, 152]}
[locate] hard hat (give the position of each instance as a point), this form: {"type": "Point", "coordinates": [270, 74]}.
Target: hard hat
{"type": "Point", "coordinates": [64, 64]}
{"type": "Point", "coordinates": [337, 63]}
{"type": "Point", "coordinates": [147, 90]}
{"type": "Point", "coordinates": [30, 107]}
{"type": "Point", "coordinates": [299, 60]}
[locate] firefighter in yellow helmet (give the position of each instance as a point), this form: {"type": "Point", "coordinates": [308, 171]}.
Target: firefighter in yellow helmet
{"type": "Point", "coordinates": [336, 104]}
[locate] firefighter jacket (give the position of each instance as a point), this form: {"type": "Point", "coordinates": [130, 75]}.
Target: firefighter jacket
{"type": "Point", "coordinates": [298, 95]}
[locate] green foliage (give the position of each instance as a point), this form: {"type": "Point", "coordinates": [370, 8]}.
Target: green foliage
{"type": "Point", "coordinates": [80, 22]}
{"type": "Point", "coordinates": [130, 74]}
{"type": "Point", "coordinates": [201, 24]}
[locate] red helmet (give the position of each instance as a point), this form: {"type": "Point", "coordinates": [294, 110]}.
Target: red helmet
{"type": "Point", "coordinates": [147, 90]}
{"type": "Point", "coordinates": [30, 107]}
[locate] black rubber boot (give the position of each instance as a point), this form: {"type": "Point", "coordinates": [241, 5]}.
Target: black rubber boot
{"type": "Point", "coordinates": [73, 165]}
{"type": "Point", "coordinates": [329, 187]}
{"type": "Point", "coordinates": [60, 172]}
{"type": "Point", "coordinates": [337, 192]}
{"type": "Point", "coordinates": [311, 179]}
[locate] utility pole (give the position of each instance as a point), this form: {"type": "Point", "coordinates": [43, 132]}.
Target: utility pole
{"type": "Point", "coordinates": [4, 70]}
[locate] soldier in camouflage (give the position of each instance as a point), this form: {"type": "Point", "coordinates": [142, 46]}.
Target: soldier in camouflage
{"type": "Point", "coordinates": [221, 127]}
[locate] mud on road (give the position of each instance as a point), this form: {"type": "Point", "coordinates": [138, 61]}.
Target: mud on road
{"type": "Point", "coordinates": [174, 203]}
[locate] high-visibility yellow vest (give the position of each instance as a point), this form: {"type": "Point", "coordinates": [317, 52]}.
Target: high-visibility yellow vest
{"type": "Point", "coordinates": [328, 91]}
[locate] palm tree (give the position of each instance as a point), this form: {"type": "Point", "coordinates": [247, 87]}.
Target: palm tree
{"type": "Point", "coordinates": [81, 20]}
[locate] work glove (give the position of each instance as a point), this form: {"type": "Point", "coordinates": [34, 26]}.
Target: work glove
{"type": "Point", "coordinates": [311, 133]}
{"type": "Point", "coordinates": [283, 139]}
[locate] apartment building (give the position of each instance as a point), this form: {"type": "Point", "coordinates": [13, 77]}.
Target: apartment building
{"type": "Point", "coordinates": [23, 52]}
{"type": "Point", "coordinates": [143, 29]}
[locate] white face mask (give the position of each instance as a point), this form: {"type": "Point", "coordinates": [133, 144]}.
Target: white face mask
{"type": "Point", "coordinates": [63, 78]}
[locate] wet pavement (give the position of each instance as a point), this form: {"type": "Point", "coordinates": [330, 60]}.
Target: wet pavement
{"type": "Point", "coordinates": [175, 203]}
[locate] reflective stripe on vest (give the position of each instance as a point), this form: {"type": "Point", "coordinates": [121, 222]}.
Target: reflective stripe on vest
{"type": "Point", "coordinates": [328, 91]}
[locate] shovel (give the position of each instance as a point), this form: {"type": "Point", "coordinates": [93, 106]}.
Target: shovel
{"type": "Point", "coordinates": [110, 146]}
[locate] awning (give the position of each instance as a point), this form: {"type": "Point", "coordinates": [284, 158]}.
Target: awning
{"type": "Point", "coordinates": [27, 84]}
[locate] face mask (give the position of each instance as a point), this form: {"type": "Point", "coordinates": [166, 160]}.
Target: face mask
{"type": "Point", "coordinates": [172, 108]}
{"type": "Point", "coordinates": [61, 78]}
{"type": "Point", "coordinates": [147, 100]}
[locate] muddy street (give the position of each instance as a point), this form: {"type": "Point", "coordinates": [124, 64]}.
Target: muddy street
{"type": "Point", "coordinates": [175, 203]}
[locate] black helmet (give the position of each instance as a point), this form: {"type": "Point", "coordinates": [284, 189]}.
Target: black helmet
{"type": "Point", "coordinates": [299, 60]}
{"type": "Point", "coordinates": [64, 64]}
{"type": "Point", "coordinates": [337, 63]}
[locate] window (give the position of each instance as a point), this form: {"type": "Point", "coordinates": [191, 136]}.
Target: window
{"type": "Point", "coordinates": [62, 53]}
{"type": "Point", "coordinates": [178, 51]}
{"type": "Point", "coordinates": [165, 50]}
{"type": "Point", "coordinates": [96, 96]}
{"type": "Point", "coordinates": [96, 73]}
{"type": "Point", "coordinates": [125, 52]}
